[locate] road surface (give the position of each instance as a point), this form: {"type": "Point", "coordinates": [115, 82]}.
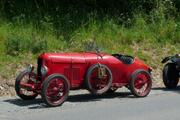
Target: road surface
{"type": "Point", "coordinates": [161, 104]}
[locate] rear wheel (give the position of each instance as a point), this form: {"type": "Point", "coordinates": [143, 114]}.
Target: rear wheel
{"type": "Point", "coordinates": [140, 83]}
{"type": "Point", "coordinates": [55, 90]}
{"type": "Point", "coordinates": [170, 76]}
{"type": "Point", "coordinates": [25, 78]}
{"type": "Point", "coordinates": [96, 83]}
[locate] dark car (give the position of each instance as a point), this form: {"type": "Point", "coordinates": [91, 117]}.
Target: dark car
{"type": "Point", "coordinates": [171, 71]}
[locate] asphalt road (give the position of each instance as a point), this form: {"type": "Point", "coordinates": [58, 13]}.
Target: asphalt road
{"type": "Point", "coordinates": [161, 104]}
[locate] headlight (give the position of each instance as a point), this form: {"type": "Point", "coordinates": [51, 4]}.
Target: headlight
{"type": "Point", "coordinates": [44, 70]}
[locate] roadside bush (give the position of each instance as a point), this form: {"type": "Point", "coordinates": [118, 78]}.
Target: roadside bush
{"type": "Point", "coordinates": [17, 44]}
{"type": "Point", "coordinates": [39, 46]}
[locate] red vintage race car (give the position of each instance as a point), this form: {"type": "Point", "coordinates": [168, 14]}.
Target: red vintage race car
{"type": "Point", "coordinates": [57, 73]}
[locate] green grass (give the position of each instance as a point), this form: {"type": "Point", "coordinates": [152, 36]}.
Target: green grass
{"type": "Point", "coordinates": [149, 36]}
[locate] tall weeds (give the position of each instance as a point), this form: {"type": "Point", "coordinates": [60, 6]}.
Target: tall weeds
{"type": "Point", "coordinates": [64, 25]}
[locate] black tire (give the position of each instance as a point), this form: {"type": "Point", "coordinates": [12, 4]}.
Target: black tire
{"type": "Point", "coordinates": [88, 83]}
{"type": "Point", "coordinates": [133, 80]}
{"type": "Point", "coordinates": [62, 98]}
{"type": "Point", "coordinates": [18, 88]}
{"type": "Point", "coordinates": [170, 76]}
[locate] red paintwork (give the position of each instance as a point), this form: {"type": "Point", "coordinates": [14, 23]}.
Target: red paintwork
{"type": "Point", "coordinates": [74, 66]}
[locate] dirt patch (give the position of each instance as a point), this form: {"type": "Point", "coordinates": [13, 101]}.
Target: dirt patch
{"type": "Point", "coordinates": [6, 87]}
{"type": "Point", "coordinates": [157, 78]}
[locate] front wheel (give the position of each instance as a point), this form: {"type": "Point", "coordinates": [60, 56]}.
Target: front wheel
{"type": "Point", "coordinates": [25, 77]}
{"type": "Point", "coordinates": [55, 90]}
{"type": "Point", "coordinates": [140, 83]}
{"type": "Point", "coordinates": [170, 76]}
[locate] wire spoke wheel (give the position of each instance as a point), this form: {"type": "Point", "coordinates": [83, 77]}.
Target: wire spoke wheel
{"type": "Point", "coordinates": [98, 82]}
{"type": "Point", "coordinates": [55, 90]}
{"type": "Point", "coordinates": [24, 92]}
{"type": "Point", "coordinates": [140, 83]}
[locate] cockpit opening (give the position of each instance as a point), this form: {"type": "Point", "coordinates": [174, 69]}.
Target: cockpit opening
{"type": "Point", "coordinates": [126, 59]}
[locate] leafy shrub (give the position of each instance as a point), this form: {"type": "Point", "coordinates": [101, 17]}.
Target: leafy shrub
{"type": "Point", "coordinates": [39, 46]}
{"type": "Point", "coordinates": [17, 44]}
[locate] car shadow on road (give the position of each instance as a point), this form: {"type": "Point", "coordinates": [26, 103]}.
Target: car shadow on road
{"type": "Point", "coordinates": [176, 90]}
{"type": "Point", "coordinates": [39, 104]}
{"type": "Point", "coordinates": [20, 102]}
{"type": "Point", "coordinates": [90, 97]}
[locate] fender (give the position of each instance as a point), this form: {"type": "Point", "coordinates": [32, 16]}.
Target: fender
{"type": "Point", "coordinates": [174, 59]}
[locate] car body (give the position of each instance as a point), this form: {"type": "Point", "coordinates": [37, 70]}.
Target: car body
{"type": "Point", "coordinates": [171, 71]}
{"type": "Point", "coordinates": [98, 72]}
